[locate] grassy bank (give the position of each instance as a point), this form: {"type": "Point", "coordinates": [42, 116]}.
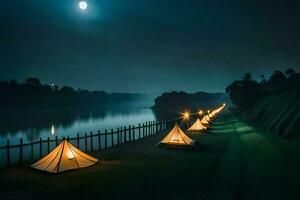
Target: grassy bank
{"type": "Point", "coordinates": [278, 114]}
{"type": "Point", "coordinates": [236, 162]}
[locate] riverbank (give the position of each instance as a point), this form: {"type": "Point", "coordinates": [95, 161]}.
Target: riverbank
{"type": "Point", "coordinates": [236, 162]}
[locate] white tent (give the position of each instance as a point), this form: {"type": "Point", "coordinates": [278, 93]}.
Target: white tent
{"type": "Point", "coordinates": [64, 157]}
{"type": "Point", "coordinates": [218, 110]}
{"type": "Point", "coordinates": [176, 138]}
{"type": "Point", "coordinates": [204, 121]}
{"type": "Point", "coordinates": [207, 117]}
{"type": "Point", "coordinates": [197, 126]}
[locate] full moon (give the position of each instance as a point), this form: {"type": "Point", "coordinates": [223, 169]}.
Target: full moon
{"type": "Point", "coordinates": [82, 5]}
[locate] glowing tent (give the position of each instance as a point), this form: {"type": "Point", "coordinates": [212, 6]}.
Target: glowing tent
{"type": "Point", "coordinates": [208, 119]}
{"type": "Point", "coordinates": [64, 157]}
{"type": "Point", "coordinates": [204, 121]}
{"type": "Point", "coordinates": [197, 126]}
{"type": "Point", "coordinates": [176, 138]}
{"type": "Point", "coordinates": [217, 110]}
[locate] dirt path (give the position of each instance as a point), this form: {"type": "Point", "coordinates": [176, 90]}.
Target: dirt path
{"type": "Point", "coordinates": [236, 162]}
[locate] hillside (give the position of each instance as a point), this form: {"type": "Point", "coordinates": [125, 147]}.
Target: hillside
{"type": "Point", "coordinates": [278, 113]}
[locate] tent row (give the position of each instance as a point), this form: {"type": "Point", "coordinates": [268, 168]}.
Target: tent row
{"type": "Point", "coordinates": [203, 124]}
{"type": "Point", "coordinates": [177, 138]}
{"type": "Point", "coordinates": [67, 157]}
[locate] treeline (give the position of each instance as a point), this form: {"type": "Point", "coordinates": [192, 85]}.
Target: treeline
{"type": "Point", "coordinates": [247, 92]}
{"type": "Point", "coordinates": [33, 94]}
{"type": "Point", "coordinates": [178, 101]}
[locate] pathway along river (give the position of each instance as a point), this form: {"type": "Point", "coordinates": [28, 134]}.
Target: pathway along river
{"type": "Point", "coordinates": [236, 162]}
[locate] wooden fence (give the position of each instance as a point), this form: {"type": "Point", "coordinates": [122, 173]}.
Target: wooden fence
{"type": "Point", "coordinates": [87, 142]}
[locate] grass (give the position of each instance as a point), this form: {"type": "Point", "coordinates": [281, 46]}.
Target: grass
{"type": "Point", "coordinates": [236, 162]}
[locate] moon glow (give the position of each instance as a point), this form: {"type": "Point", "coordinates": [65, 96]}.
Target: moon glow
{"type": "Point", "coordinates": [83, 5]}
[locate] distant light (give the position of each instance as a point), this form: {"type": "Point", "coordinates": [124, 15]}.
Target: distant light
{"type": "Point", "coordinates": [52, 130]}
{"type": "Point", "coordinates": [186, 115]}
{"type": "Point", "coordinates": [224, 104]}
{"type": "Point", "coordinates": [83, 5]}
{"type": "Point", "coordinates": [200, 112]}
{"type": "Point", "coordinates": [52, 84]}
{"type": "Point", "coordinates": [208, 111]}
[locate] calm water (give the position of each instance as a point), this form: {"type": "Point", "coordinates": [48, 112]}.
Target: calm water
{"type": "Point", "coordinates": [61, 123]}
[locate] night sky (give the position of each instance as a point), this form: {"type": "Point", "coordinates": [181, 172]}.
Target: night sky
{"type": "Point", "coordinates": [147, 45]}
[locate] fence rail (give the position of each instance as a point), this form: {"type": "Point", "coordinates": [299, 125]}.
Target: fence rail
{"type": "Point", "coordinates": [88, 142]}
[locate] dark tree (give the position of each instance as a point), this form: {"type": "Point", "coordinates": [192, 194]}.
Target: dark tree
{"type": "Point", "coordinates": [247, 77]}
{"type": "Point", "coordinates": [276, 83]}
{"type": "Point", "coordinates": [289, 72]}
{"type": "Point", "coordinates": [245, 93]}
{"type": "Point", "coordinates": [33, 81]}
{"type": "Point", "coordinates": [263, 79]}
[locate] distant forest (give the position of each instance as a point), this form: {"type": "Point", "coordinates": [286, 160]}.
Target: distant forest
{"type": "Point", "coordinates": [179, 101]}
{"type": "Point", "coordinates": [33, 94]}
{"type": "Point", "coordinates": [247, 92]}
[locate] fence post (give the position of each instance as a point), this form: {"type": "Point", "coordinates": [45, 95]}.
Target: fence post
{"type": "Point", "coordinates": [31, 147]}
{"type": "Point", "coordinates": [56, 141]}
{"type": "Point", "coordinates": [21, 151]}
{"type": "Point", "coordinates": [41, 147]}
{"type": "Point", "coordinates": [129, 133]}
{"type": "Point", "coordinates": [48, 143]}
{"type": "Point", "coordinates": [68, 138]}
{"type": "Point", "coordinates": [118, 136]}
{"type": "Point", "coordinates": [99, 140]}
{"type": "Point", "coordinates": [78, 143]}
{"type": "Point", "coordinates": [152, 127]}
{"type": "Point", "coordinates": [92, 146]}
{"type": "Point", "coordinates": [112, 137]}
{"type": "Point", "coordinates": [133, 133]}
{"type": "Point", "coordinates": [85, 141]}
{"type": "Point", "coordinates": [121, 135]}
{"type": "Point", "coordinates": [143, 128]}
{"type": "Point", "coordinates": [146, 129]}
{"type": "Point", "coordinates": [105, 141]}
{"type": "Point", "coordinates": [139, 131]}
{"type": "Point", "coordinates": [159, 128]}
{"type": "Point", "coordinates": [125, 134]}
{"type": "Point", "coordinates": [8, 153]}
